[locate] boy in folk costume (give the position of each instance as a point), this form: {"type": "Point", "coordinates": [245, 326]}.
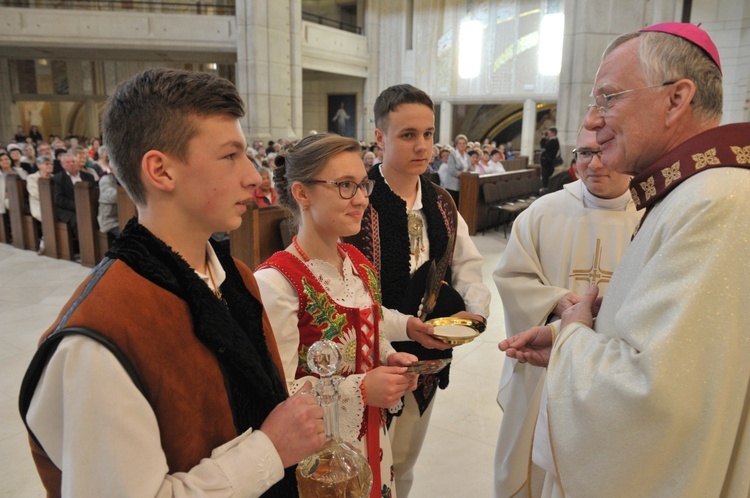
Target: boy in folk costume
{"type": "Point", "coordinates": [409, 222]}
{"type": "Point", "coordinates": [161, 375]}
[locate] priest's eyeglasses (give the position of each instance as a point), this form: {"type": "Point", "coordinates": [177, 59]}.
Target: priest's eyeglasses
{"type": "Point", "coordinates": [604, 102]}
{"type": "Point", "coordinates": [585, 156]}
{"type": "Point", "coordinates": [348, 188]}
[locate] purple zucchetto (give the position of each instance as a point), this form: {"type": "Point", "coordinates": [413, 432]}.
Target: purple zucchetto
{"type": "Point", "coordinates": [690, 32]}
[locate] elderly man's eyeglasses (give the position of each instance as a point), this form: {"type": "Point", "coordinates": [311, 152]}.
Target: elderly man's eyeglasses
{"type": "Point", "coordinates": [348, 188]}
{"type": "Point", "coordinates": [585, 156]}
{"type": "Point", "coordinates": [603, 102]}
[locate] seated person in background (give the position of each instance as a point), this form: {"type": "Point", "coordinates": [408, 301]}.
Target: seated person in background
{"type": "Point", "coordinates": [495, 166]}
{"type": "Point", "coordinates": [501, 148]}
{"type": "Point", "coordinates": [443, 168]}
{"type": "Point", "coordinates": [107, 215]}
{"type": "Point", "coordinates": [176, 389]}
{"type": "Point", "coordinates": [264, 194]}
{"type": "Point", "coordinates": [84, 163]}
{"type": "Point", "coordinates": [44, 149]}
{"type": "Point", "coordinates": [44, 167]}
{"type": "Point", "coordinates": [474, 165]}
{"type": "Point", "coordinates": [435, 162]}
{"type": "Point", "coordinates": [64, 191]}
{"type": "Point", "coordinates": [324, 183]}
{"type": "Point", "coordinates": [484, 158]}
{"type": "Point", "coordinates": [57, 163]}
{"type": "Point", "coordinates": [378, 154]}
{"type": "Point", "coordinates": [93, 149]}
{"type": "Point", "coordinates": [14, 152]}
{"type": "Point", "coordinates": [28, 160]}
{"type": "Point", "coordinates": [369, 160]}
{"type": "Point", "coordinates": [252, 154]}
{"type": "Point", "coordinates": [102, 161]}
{"type": "Point", "coordinates": [5, 170]}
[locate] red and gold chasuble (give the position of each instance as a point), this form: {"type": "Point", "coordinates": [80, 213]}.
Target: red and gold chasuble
{"type": "Point", "coordinates": [356, 331]}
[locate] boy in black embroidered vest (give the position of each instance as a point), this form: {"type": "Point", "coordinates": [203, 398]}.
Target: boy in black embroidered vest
{"type": "Point", "coordinates": [408, 223]}
{"type": "Point", "coordinates": [161, 374]}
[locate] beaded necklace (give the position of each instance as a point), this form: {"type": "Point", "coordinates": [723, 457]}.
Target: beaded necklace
{"type": "Point", "coordinates": [304, 255]}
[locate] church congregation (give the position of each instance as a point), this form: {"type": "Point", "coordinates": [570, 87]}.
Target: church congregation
{"type": "Point", "coordinates": [543, 304]}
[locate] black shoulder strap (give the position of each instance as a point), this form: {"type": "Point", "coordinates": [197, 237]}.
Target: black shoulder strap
{"type": "Point", "coordinates": [45, 351]}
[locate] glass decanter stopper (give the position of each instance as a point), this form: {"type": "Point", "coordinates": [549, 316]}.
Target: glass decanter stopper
{"type": "Point", "coordinates": [337, 470]}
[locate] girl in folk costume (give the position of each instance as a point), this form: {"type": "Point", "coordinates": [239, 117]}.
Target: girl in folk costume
{"type": "Point", "coordinates": [319, 288]}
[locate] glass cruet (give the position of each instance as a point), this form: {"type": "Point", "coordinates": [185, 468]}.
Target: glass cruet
{"type": "Point", "coordinates": [337, 470]}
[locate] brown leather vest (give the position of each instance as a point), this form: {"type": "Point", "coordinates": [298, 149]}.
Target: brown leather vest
{"type": "Point", "coordinates": [181, 378]}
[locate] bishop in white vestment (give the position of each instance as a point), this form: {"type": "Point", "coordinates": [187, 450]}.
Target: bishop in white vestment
{"type": "Point", "coordinates": [653, 398]}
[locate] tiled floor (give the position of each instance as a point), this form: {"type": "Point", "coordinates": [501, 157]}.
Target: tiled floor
{"type": "Point", "coordinates": [456, 460]}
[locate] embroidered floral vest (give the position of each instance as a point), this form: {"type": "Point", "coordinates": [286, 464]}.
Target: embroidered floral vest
{"type": "Point", "coordinates": [320, 317]}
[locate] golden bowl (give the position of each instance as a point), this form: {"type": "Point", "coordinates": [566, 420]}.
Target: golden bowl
{"type": "Point", "coordinates": [456, 331]}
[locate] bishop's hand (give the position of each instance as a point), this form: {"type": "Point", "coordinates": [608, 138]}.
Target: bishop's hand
{"type": "Point", "coordinates": [530, 346]}
{"type": "Point", "coordinates": [585, 311]}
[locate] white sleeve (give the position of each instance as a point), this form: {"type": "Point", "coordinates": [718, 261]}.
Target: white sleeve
{"type": "Point", "coordinates": [98, 428]}
{"type": "Point", "coordinates": [32, 186]}
{"type": "Point", "coordinates": [280, 302]}
{"type": "Point", "coordinates": [467, 272]}
{"type": "Point", "coordinates": [393, 326]}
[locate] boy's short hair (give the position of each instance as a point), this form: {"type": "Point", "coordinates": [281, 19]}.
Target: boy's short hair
{"type": "Point", "coordinates": [494, 151]}
{"type": "Point", "coordinates": [155, 110]}
{"type": "Point", "coordinates": [472, 152]}
{"type": "Point", "coordinates": [393, 96]}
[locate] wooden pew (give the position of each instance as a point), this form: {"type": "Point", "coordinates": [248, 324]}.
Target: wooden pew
{"type": "Point", "coordinates": [16, 192]}
{"type": "Point", "coordinates": [259, 236]}
{"type": "Point", "coordinates": [4, 217]}
{"type": "Point", "coordinates": [21, 223]}
{"type": "Point", "coordinates": [5, 228]}
{"type": "Point", "coordinates": [471, 203]}
{"type": "Point", "coordinates": [519, 162]}
{"type": "Point", "coordinates": [58, 236]}
{"type": "Point", "coordinates": [92, 242]}
{"type": "Point", "coordinates": [125, 207]}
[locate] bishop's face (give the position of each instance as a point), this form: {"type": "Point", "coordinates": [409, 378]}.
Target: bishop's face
{"type": "Point", "coordinates": [632, 132]}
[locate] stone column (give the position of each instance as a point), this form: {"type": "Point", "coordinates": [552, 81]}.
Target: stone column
{"type": "Point", "coordinates": [528, 129]}
{"type": "Point", "coordinates": [446, 122]}
{"type": "Point", "coordinates": [7, 128]}
{"type": "Point", "coordinates": [269, 70]}
{"type": "Point", "coordinates": [91, 120]}
{"type": "Point", "coordinates": [372, 82]}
